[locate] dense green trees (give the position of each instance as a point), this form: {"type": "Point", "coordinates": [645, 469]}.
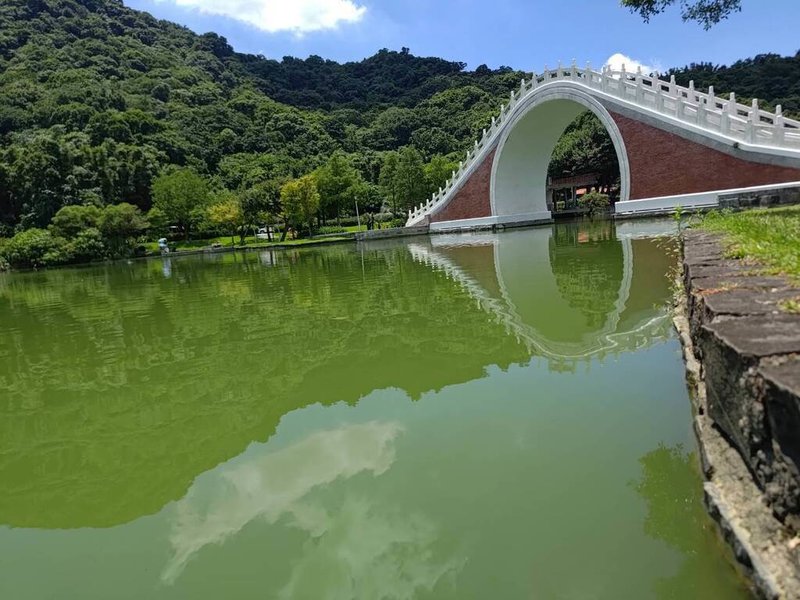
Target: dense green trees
{"type": "Point", "coordinates": [227, 214]}
{"type": "Point", "coordinates": [409, 179]}
{"type": "Point", "coordinates": [120, 224]}
{"type": "Point", "coordinates": [97, 99]}
{"type": "Point", "coordinates": [586, 147]}
{"type": "Point", "coordinates": [182, 195]}
{"type": "Point", "coordinates": [260, 204]}
{"type": "Point", "coordinates": [388, 178]}
{"type": "Point", "coordinates": [301, 202]}
{"type": "Point", "coordinates": [437, 172]}
{"type": "Point", "coordinates": [71, 220]}
{"type": "Point", "coordinates": [339, 184]}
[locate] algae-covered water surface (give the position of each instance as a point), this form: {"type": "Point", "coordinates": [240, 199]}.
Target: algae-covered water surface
{"type": "Point", "coordinates": [474, 416]}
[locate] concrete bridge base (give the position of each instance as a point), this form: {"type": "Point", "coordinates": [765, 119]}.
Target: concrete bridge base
{"type": "Point", "coordinates": [498, 222]}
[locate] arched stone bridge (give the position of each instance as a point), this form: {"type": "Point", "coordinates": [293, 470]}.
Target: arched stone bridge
{"type": "Point", "coordinates": [675, 146]}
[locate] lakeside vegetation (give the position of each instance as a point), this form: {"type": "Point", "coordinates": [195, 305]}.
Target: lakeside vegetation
{"type": "Point", "coordinates": [769, 236]}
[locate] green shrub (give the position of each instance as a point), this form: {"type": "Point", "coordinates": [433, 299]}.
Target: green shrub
{"type": "Point", "coordinates": [88, 245]}
{"type": "Point", "coordinates": [349, 221]}
{"type": "Point", "coordinates": [120, 225]}
{"type": "Point", "coordinates": [35, 248]}
{"type": "Point", "coordinates": [58, 254]}
{"type": "Point", "coordinates": [328, 229]}
{"type": "Point", "coordinates": [595, 202]}
{"type": "Point", "coordinates": [4, 266]}
{"type": "Point", "coordinates": [71, 220]}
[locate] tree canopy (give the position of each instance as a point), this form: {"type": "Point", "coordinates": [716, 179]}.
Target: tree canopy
{"type": "Point", "coordinates": [706, 12]}
{"type": "Point", "coordinates": [300, 201]}
{"type": "Point", "coordinates": [181, 195]}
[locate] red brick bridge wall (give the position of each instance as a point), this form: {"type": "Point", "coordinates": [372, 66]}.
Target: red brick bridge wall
{"type": "Point", "coordinates": [666, 164]}
{"type": "Point", "coordinates": [661, 164]}
{"type": "Point", "coordinates": [473, 199]}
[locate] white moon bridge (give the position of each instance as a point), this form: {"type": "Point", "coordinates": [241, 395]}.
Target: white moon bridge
{"type": "Point", "coordinates": [675, 146]}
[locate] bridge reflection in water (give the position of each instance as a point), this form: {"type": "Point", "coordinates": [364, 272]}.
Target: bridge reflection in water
{"type": "Point", "coordinates": [449, 417]}
{"type": "Point", "coordinates": [568, 292]}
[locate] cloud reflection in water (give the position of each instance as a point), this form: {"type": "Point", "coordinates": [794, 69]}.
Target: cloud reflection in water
{"type": "Point", "coordinates": [368, 552]}
{"type": "Point", "coordinates": [357, 551]}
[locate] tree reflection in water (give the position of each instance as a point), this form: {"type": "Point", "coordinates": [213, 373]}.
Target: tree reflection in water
{"type": "Point", "coordinates": [587, 263]}
{"type": "Point", "coordinates": [672, 488]}
{"type": "Point", "coordinates": [118, 385]}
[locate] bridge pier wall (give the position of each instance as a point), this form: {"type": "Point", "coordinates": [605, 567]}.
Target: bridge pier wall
{"type": "Point", "coordinates": [663, 163]}
{"type": "Point", "coordinates": [473, 200]}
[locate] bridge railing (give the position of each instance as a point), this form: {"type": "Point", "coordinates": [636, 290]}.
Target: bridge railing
{"type": "Point", "coordinates": [705, 110]}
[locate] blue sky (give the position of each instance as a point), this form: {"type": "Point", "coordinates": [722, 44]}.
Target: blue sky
{"type": "Point", "coordinates": [524, 34]}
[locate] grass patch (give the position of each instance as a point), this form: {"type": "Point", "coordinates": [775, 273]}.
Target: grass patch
{"type": "Point", "coordinates": [250, 242]}
{"type": "Point", "coordinates": [299, 242]}
{"type": "Point", "coordinates": [199, 244]}
{"type": "Point", "coordinates": [790, 306]}
{"type": "Point", "coordinates": [770, 236]}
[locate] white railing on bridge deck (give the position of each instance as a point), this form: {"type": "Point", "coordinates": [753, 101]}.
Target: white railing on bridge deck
{"type": "Point", "coordinates": [705, 110]}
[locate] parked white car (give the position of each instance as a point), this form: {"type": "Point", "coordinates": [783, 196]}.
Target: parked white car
{"type": "Point", "coordinates": [264, 233]}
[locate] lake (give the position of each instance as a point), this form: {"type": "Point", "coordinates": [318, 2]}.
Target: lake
{"type": "Point", "coordinates": [458, 416]}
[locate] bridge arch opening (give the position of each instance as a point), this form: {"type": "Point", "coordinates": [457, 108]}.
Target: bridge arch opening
{"type": "Point", "coordinates": [520, 169]}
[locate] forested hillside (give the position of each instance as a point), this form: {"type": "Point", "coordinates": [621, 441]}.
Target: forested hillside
{"type": "Point", "coordinates": [95, 99]}
{"type": "Point", "coordinates": [102, 105]}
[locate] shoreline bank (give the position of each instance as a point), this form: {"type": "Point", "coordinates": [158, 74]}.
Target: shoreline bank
{"type": "Point", "coordinates": [196, 252]}
{"type": "Point", "coordinates": [357, 237]}
{"type": "Point", "coordinates": [742, 355]}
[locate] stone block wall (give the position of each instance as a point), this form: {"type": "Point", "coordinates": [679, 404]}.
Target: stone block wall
{"type": "Point", "coordinates": [764, 199]}
{"type": "Point", "coordinates": [749, 348]}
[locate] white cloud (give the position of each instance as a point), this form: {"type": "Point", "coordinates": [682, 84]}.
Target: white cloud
{"type": "Point", "coordinates": [297, 16]}
{"type": "Point", "coordinates": [615, 61]}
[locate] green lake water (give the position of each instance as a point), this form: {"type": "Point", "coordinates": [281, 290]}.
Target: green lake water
{"type": "Point", "coordinates": [486, 416]}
